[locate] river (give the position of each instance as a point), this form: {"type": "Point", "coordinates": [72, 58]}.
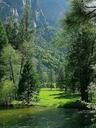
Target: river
{"type": "Point", "coordinates": [46, 118]}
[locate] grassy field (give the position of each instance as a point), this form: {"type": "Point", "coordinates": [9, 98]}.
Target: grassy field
{"type": "Point", "coordinates": [55, 98]}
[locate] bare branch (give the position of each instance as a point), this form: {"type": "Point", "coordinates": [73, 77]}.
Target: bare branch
{"type": "Point", "coordinates": [90, 6]}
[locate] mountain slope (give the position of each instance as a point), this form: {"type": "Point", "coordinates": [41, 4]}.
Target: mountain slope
{"type": "Point", "coordinates": [50, 10]}
{"type": "Point", "coordinates": [53, 9]}
{"type": "Point", "coordinates": [45, 13]}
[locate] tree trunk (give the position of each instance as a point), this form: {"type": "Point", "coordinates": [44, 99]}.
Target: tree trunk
{"type": "Point", "coordinates": [11, 69]}
{"type": "Point", "coordinates": [21, 68]}
{"type": "Point", "coordinates": [85, 81]}
{"type": "Point", "coordinates": [12, 75]}
{"type": "Point", "coordinates": [84, 85]}
{"type": "Point", "coordinates": [84, 93]}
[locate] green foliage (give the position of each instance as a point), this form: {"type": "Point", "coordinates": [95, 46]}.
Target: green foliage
{"type": "Point", "coordinates": [25, 43]}
{"type": "Point", "coordinates": [76, 15]}
{"type": "Point", "coordinates": [3, 37]}
{"type": "Point", "coordinates": [3, 42]}
{"type": "Point", "coordinates": [12, 61]}
{"type": "Point", "coordinates": [28, 83]}
{"type": "Point", "coordinates": [7, 91]}
{"type": "Point", "coordinates": [16, 33]}
{"type": "Point", "coordinates": [12, 30]}
{"type": "Point", "coordinates": [80, 38]}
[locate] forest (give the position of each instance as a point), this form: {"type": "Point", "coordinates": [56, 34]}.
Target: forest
{"type": "Point", "coordinates": [48, 71]}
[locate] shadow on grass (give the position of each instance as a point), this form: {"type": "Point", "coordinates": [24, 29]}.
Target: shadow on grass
{"type": "Point", "coordinates": [65, 96]}
{"type": "Point", "coordinates": [75, 105]}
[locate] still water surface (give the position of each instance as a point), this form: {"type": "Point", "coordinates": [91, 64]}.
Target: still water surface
{"type": "Point", "coordinates": [44, 118]}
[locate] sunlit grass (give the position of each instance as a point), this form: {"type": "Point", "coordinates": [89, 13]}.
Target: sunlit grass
{"type": "Point", "coordinates": [54, 97]}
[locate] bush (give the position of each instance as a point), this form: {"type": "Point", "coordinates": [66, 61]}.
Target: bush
{"type": "Point", "coordinates": [92, 92]}
{"type": "Point", "coordinates": [7, 92]}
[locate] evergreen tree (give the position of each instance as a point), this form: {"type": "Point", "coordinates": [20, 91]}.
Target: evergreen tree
{"type": "Point", "coordinates": [28, 83]}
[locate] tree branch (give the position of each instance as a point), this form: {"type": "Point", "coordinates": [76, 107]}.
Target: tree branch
{"type": "Point", "coordinates": [90, 6]}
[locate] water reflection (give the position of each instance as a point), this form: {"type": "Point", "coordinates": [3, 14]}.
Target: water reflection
{"type": "Point", "coordinates": [55, 118]}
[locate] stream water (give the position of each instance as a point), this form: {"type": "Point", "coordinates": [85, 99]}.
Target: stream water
{"type": "Point", "coordinates": [45, 118]}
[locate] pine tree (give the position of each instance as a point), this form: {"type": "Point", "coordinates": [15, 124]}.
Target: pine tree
{"type": "Point", "coordinates": [28, 83]}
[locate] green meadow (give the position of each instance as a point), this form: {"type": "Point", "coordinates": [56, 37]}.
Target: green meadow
{"type": "Point", "coordinates": [55, 97]}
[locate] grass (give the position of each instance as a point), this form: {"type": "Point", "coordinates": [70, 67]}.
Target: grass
{"type": "Point", "coordinates": [55, 98]}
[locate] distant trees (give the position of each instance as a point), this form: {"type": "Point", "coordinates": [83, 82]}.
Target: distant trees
{"type": "Point", "coordinates": [60, 82]}
{"type": "Point", "coordinates": [51, 77]}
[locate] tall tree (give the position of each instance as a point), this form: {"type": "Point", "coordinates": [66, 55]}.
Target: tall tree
{"type": "Point", "coordinates": [80, 49]}
{"type": "Point", "coordinates": [28, 82]}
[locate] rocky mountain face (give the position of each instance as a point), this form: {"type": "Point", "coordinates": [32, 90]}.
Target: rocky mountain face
{"type": "Point", "coordinates": [44, 12]}
{"type": "Point", "coordinates": [50, 10]}
{"type": "Point", "coordinates": [10, 8]}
